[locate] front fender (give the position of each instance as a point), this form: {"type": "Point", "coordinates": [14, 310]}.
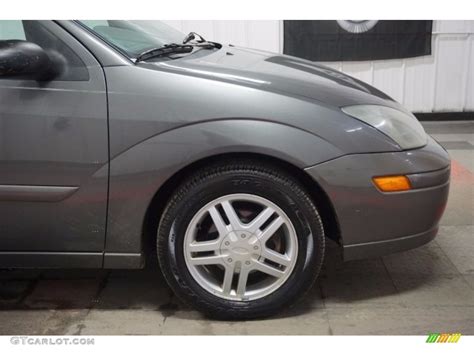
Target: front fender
{"type": "Point", "coordinates": [139, 172]}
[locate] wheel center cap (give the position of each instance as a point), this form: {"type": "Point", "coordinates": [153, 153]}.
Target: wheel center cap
{"type": "Point", "coordinates": [240, 246]}
{"type": "Point", "coordinates": [240, 251]}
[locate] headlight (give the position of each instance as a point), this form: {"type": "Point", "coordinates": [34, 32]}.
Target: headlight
{"type": "Point", "coordinates": [402, 127]}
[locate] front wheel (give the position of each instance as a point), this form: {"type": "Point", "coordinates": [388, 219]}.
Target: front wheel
{"type": "Point", "coordinates": [240, 240]}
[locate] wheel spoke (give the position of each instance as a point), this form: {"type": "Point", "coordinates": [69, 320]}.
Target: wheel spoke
{"type": "Point", "coordinates": [207, 260]}
{"type": "Point", "coordinates": [276, 257]}
{"type": "Point", "coordinates": [228, 277]}
{"type": "Point", "coordinates": [197, 247]}
{"type": "Point", "coordinates": [260, 219]}
{"type": "Point", "coordinates": [271, 229]}
{"type": "Point", "coordinates": [267, 269]}
{"type": "Point", "coordinates": [223, 249]}
{"type": "Point", "coordinates": [232, 215]}
{"type": "Point", "coordinates": [218, 221]}
{"type": "Point", "coordinates": [242, 282]}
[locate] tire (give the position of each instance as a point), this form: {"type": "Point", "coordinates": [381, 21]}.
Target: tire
{"type": "Point", "coordinates": [248, 185]}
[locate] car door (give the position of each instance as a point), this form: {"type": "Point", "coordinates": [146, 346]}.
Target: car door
{"type": "Point", "coordinates": [53, 154]}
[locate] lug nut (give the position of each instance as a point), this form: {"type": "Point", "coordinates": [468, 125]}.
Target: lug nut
{"type": "Point", "coordinates": [242, 235]}
{"type": "Point", "coordinates": [247, 262]}
{"type": "Point", "coordinates": [229, 260]}
{"type": "Point", "coordinates": [255, 247]}
{"type": "Point", "coordinates": [226, 243]}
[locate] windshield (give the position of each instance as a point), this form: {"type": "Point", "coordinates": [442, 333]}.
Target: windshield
{"type": "Point", "coordinates": [134, 37]}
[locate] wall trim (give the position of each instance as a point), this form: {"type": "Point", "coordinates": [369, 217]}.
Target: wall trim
{"type": "Point", "coordinates": [445, 116]}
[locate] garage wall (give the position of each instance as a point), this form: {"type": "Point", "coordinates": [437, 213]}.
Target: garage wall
{"type": "Point", "coordinates": [441, 82]}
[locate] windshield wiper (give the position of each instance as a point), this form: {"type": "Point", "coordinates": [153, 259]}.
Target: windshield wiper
{"type": "Point", "coordinates": [172, 48]}
{"type": "Point", "coordinates": [199, 41]}
{"type": "Point", "coordinates": [190, 41]}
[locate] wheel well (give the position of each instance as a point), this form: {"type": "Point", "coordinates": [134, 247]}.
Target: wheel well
{"type": "Point", "coordinates": [160, 199]}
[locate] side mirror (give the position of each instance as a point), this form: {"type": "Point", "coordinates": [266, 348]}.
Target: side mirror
{"type": "Point", "coordinates": [22, 59]}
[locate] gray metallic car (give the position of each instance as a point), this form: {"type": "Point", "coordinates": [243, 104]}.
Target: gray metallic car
{"type": "Point", "coordinates": [123, 140]}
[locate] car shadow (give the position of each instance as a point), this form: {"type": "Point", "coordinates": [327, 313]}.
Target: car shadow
{"type": "Point", "coordinates": [339, 284]}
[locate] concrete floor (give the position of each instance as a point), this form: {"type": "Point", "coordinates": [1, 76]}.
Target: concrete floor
{"type": "Point", "coordinates": [429, 289]}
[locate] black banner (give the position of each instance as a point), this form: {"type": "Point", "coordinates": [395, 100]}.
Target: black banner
{"type": "Point", "coordinates": [357, 40]}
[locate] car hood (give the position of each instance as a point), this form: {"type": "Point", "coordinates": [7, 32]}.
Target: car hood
{"type": "Point", "coordinates": [277, 73]}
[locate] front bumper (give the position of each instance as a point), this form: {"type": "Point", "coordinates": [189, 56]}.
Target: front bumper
{"type": "Point", "coordinates": [373, 223]}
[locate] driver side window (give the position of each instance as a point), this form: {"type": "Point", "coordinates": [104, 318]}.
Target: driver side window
{"type": "Point", "coordinates": [12, 29]}
{"type": "Point", "coordinates": [73, 68]}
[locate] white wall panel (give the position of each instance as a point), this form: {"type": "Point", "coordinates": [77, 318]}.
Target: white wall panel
{"type": "Point", "coordinates": [234, 32]}
{"type": "Point", "coordinates": [443, 81]}
{"type": "Point", "coordinates": [262, 35]}
{"type": "Point", "coordinates": [254, 34]}
{"type": "Point", "coordinates": [451, 73]}
{"type": "Point", "coordinates": [389, 77]}
{"type": "Point", "coordinates": [204, 28]}
{"type": "Point", "coordinates": [469, 102]}
{"type": "Point", "coordinates": [419, 84]}
{"type": "Point", "coordinates": [451, 26]}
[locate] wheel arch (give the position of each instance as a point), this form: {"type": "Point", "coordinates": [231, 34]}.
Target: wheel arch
{"type": "Point", "coordinates": [161, 197]}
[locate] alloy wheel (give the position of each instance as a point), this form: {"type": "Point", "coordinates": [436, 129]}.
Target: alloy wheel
{"type": "Point", "coordinates": [240, 247]}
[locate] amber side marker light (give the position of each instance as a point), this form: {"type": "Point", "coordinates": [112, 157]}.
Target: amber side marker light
{"type": "Point", "coordinates": [392, 183]}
